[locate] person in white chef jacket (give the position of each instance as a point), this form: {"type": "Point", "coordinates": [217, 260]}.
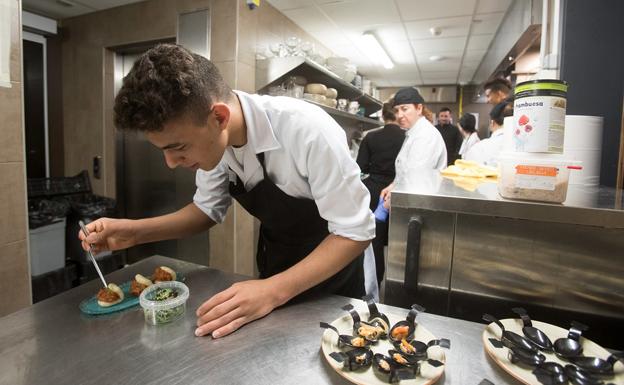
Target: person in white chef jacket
{"type": "Point", "coordinates": [284, 160]}
{"type": "Point", "coordinates": [467, 126]}
{"type": "Point", "coordinates": [488, 150]}
{"type": "Point", "coordinates": [423, 148]}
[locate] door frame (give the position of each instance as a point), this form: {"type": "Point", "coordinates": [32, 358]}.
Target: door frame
{"type": "Point", "coordinates": [36, 38]}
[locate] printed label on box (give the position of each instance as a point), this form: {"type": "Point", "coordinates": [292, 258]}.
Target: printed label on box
{"type": "Point", "coordinates": [536, 170]}
{"type": "Point", "coordinates": [535, 182]}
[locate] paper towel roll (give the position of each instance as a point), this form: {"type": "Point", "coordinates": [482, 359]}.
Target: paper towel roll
{"type": "Point", "coordinates": [583, 141]}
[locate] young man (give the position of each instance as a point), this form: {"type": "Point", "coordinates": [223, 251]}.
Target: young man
{"type": "Point", "coordinates": [284, 160]}
{"type": "Point", "coordinates": [497, 90]}
{"type": "Point", "coordinates": [450, 133]}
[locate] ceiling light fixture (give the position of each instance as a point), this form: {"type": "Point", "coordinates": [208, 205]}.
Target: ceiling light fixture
{"type": "Point", "coordinates": [437, 58]}
{"type": "Point", "coordinates": [435, 31]}
{"type": "Point", "coordinates": [376, 51]}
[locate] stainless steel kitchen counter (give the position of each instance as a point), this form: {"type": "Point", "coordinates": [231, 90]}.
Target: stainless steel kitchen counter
{"type": "Point", "coordinates": [51, 342]}
{"type": "Point", "coordinates": [592, 206]}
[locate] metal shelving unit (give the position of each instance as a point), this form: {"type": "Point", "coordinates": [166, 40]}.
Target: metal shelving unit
{"type": "Point", "coordinates": [276, 70]}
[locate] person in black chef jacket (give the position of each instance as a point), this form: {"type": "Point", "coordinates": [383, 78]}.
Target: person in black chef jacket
{"type": "Point", "coordinates": [284, 160]}
{"type": "Point", "coordinates": [450, 133]}
{"type": "Point", "coordinates": [376, 157]}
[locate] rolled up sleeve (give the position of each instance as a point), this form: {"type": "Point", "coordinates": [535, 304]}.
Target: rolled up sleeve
{"type": "Point", "coordinates": [212, 195]}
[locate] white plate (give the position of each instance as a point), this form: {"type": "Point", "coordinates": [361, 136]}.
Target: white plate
{"type": "Point", "coordinates": [428, 374]}
{"type": "Point", "coordinates": [524, 374]}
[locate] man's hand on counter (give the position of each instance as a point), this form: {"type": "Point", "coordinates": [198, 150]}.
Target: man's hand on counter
{"type": "Point", "coordinates": [232, 308]}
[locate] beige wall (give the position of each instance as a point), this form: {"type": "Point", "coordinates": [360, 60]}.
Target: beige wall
{"type": "Point", "coordinates": [14, 264]}
{"type": "Point", "coordinates": [88, 56]}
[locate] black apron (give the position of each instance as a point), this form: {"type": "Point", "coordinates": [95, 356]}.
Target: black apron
{"type": "Point", "coordinates": [290, 229]}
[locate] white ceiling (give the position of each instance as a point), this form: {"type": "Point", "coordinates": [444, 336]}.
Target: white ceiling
{"type": "Point", "coordinates": [402, 26]}
{"type": "Point", "coordinates": [61, 9]}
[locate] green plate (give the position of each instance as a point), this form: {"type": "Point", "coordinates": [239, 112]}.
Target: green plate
{"type": "Point", "coordinates": [90, 306]}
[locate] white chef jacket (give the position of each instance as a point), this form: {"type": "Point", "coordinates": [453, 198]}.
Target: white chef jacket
{"type": "Point", "coordinates": [423, 148]}
{"type": "Point", "coordinates": [487, 151]}
{"type": "Point", "coordinates": [467, 144]}
{"type": "Point", "coordinates": [305, 155]}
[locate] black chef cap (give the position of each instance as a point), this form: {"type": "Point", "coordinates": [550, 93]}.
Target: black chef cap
{"type": "Point", "coordinates": [497, 110]}
{"type": "Point", "coordinates": [409, 95]}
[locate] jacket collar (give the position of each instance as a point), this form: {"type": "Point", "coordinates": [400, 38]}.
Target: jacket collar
{"type": "Point", "coordinates": [260, 133]}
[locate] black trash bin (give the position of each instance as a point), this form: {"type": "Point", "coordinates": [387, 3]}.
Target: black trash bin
{"type": "Point", "coordinates": [87, 208]}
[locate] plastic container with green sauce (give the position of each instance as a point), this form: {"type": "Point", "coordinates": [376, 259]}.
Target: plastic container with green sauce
{"type": "Point", "coordinates": [164, 302]}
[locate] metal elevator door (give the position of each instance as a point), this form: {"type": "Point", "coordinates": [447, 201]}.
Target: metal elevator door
{"type": "Point", "coordinates": [146, 187]}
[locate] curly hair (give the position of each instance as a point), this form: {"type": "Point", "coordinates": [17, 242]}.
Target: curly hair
{"type": "Point", "coordinates": [168, 82]}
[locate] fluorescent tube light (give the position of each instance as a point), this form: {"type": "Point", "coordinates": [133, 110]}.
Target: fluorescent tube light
{"type": "Point", "coordinates": [375, 51]}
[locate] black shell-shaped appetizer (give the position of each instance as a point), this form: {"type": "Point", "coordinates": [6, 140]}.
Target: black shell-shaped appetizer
{"type": "Point", "coordinates": [355, 359]}
{"type": "Point", "coordinates": [404, 329]}
{"type": "Point", "coordinates": [551, 373]}
{"type": "Point", "coordinates": [518, 355]}
{"type": "Point", "coordinates": [364, 329]}
{"type": "Point", "coordinates": [386, 366]}
{"type": "Point", "coordinates": [375, 317]}
{"type": "Point", "coordinates": [570, 346]}
{"type": "Point", "coordinates": [346, 340]}
{"type": "Point", "coordinates": [535, 335]}
{"type": "Point", "coordinates": [597, 365]}
{"type": "Point", "coordinates": [509, 338]}
{"type": "Point", "coordinates": [417, 349]}
{"type": "Point", "coordinates": [403, 360]}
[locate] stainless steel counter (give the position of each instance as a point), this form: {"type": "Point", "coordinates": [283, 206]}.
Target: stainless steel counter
{"type": "Point", "coordinates": [592, 206]}
{"type": "Point", "coordinates": [462, 253]}
{"type": "Point", "coordinates": [51, 342]}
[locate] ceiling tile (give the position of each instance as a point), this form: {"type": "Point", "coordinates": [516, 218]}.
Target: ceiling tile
{"type": "Point", "coordinates": [449, 27]}
{"type": "Point", "coordinates": [438, 74]}
{"type": "Point", "coordinates": [284, 5]}
{"type": "Point", "coordinates": [349, 15]}
{"type": "Point", "coordinates": [438, 45]}
{"type": "Point", "coordinates": [448, 55]}
{"type": "Point", "coordinates": [448, 80]}
{"type": "Point", "coordinates": [479, 42]}
{"type": "Point", "coordinates": [309, 19]}
{"type": "Point", "coordinates": [390, 32]}
{"type": "Point", "coordinates": [416, 10]}
{"type": "Point", "coordinates": [400, 52]}
{"type": "Point", "coordinates": [487, 6]}
{"type": "Point", "coordinates": [471, 63]}
{"type": "Point", "coordinates": [476, 54]}
{"type": "Point", "coordinates": [439, 66]}
{"type": "Point", "coordinates": [488, 23]}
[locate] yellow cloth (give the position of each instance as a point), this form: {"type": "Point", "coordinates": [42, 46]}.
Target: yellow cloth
{"type": "Point", "coordinates": [468, 175]}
